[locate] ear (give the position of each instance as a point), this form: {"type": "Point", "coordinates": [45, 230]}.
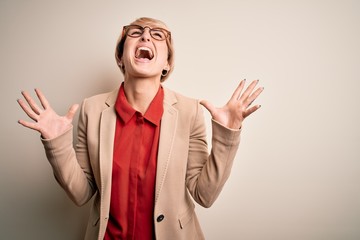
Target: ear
{"type": "Point", "coordinates": [119, 62]}
{"type": "Point", "coordinates": [121, 65]}
{"type": "Point", "coordinates": [167, 66]}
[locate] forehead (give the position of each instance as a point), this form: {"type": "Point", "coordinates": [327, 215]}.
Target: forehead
{"type": "Point", "coordinates": [149, 23]}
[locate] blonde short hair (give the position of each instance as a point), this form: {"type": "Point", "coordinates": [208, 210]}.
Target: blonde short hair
{"type": "Point", "coordinates": [153, 23]}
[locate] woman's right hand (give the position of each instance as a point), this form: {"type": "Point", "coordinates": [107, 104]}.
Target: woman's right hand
{"type": "Point", "coordinates": [46, 120]}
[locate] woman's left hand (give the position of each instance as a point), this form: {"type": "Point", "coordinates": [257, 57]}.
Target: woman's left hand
{"type": "Point", "coordinates": [237, 108]}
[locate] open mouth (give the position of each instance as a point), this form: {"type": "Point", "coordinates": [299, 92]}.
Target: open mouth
{"type": "Point", "coordinates": [144, 52]}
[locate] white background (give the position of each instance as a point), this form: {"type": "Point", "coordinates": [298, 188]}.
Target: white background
{"type": "Point", "coordinates": [297, 172]}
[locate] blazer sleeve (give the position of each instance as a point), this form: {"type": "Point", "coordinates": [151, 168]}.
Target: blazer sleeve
{"type": "Point", "coordinates": [71, 169]}
{"type": "Point", "coordinates": [207, 174]}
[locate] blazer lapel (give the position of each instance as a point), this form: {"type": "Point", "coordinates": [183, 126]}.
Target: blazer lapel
{"type": "Point", "coordinates": [167, 135]}
{"type": "Point", "coordinates": [107, 133]}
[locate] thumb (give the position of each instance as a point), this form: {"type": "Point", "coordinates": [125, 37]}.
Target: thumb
{"type": "Point", "coordinates": [72, 110]}
{"type": "Point", "coordinates": [208, 106]}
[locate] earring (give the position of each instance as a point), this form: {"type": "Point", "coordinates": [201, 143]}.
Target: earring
{"type": "Point", "coordinates": [164, 72]}
{"type": "Point", "coordinates": [121, 66]}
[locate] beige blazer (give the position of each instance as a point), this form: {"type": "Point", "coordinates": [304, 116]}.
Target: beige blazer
{"type": "Point", "coordinates": [184, 166]}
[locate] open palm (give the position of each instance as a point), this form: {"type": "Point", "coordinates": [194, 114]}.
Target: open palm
{"type": "Point", "coordinates": [233, 113]}
{"type": "Point", "coordinates": [46, 120]}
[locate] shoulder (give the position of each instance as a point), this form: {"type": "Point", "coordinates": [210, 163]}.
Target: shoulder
{"type": "Point", "coordinates": [188, 108]}
{"type": "Point", "coordinates": [103, 97]}
{"type": "Point", "coordinates": [175, 98]}
{"type": "Point", "coordinates": [100, 101]}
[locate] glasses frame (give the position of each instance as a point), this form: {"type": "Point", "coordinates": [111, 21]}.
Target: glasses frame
{"type": "Point", "coordinates": [127, 27]}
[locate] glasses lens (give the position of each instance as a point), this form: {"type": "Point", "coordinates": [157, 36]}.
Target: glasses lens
{"type": "Point", "coordinates": [135, 31]}
{"type": "Point", "coordinates": [158, 34]}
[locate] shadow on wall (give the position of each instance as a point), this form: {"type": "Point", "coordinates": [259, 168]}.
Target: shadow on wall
{"type": "Point", "coordinates": [43, 211]}
{"type": "Point", "coordinates": [34, 206]}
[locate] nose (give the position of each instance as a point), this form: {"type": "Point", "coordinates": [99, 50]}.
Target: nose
{"type": "Point", "coordinates": [146, 35]}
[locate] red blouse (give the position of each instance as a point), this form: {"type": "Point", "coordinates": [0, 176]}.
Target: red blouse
{"type": "Point", "coordinates": [134, 170]}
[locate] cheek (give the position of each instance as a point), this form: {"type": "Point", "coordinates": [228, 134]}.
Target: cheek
{"type": "Point", "coordinates": [163, 54]}
{"type": "Point", "coordinates": [127, 52]}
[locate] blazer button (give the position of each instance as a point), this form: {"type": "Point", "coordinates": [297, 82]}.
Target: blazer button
{"type": "Point", "coordinates": [160, 218]}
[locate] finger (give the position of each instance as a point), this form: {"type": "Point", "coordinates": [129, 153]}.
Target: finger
{"type": "Point", "coordinates": [238, 90]}
{"type": "Point", "coordinates": [208, 106]}
{"type": "Point", "coordinates": [28, 110]}
{"type": "Point", "coordinates": [31, 102]}
{"type": "Point", "coordinates": [251, 110]}
{"type": "Point", "coordinates": [44, 102]}
{"type": "Point", "coordinates": [30, 125]}
{"type": "Point", "coordinates": [248, 90]}
{"type": "Point", "coordinates": [253, 96]}
{"type": "Point", "coordinates": [71, 113]}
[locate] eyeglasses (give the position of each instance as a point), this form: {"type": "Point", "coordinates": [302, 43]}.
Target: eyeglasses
{"type": "Point", "coordinates": [136, 31]}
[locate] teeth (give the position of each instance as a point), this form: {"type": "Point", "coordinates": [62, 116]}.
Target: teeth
{"type": "Point", "coordinates": [144, 52]}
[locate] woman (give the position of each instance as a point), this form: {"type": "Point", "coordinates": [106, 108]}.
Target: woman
{"type": "Point", "coordinates": [142, 148]}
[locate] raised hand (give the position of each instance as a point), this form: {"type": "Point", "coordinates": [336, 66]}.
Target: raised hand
{"type": "Point", "coordinates": [46, 120]}
{"type": "Point", "coordinates": [233, 113]}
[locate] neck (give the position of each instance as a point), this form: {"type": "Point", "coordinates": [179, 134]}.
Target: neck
{"type": "Point", "coordinates": [140, 92]}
